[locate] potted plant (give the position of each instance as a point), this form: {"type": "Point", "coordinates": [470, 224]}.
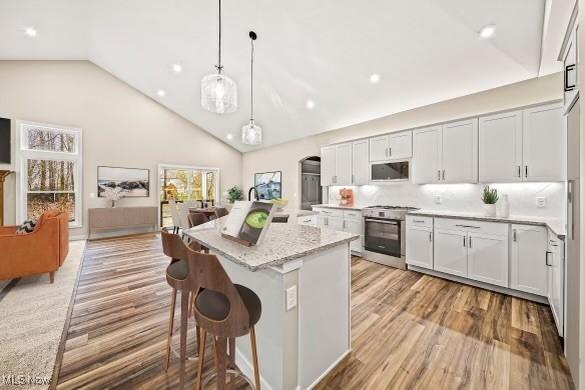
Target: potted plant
{"type": "Point", "coordinates": [489, 198]}
{"type": "Point", "coordinates": [234, 194]}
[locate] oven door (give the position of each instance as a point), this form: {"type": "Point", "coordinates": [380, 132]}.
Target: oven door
{"type": "Point", "coordinates": [383, 236]}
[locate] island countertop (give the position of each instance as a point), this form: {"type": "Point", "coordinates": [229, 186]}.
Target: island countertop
{"type": "Point", "coordinates": [283, 243]}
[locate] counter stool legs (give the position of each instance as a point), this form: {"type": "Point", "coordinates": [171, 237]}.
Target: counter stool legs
{"type": "Point", "coordinates": [202, 344]}
{"type": "Point", "coordinates": [255, 357]}
{"type": "Point", "coordinates": [184, 318]}
{"type": "Point", "coordinates": [171, 326]}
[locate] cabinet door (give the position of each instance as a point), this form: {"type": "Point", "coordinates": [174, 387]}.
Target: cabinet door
{"type": "Point", "coordinates": [571, 58]}
{"type": "Point", "coordinates": [528, 271]}
{"type": "Point", "coordinates": [544, 144]}
{"type": "Point", "coordinates": [327, 165]}
{"type": "Point", "coordinates": [335, 223]}
{"type": "Point", "coordinates": [460, 152]}
{"type": "Point", "coordinates": [556, 279]}
{"type": "Point", "coordinates": [451, 252]}
{"type": "Point", "coordinates": [342, 164]}
{"type": "Point", "coordinates": [500, 147]}
{"type": "Point", "coordinates": [355, 227]}
{"type": "Point", "coordinates": [379, 148]}
{"type": "Point", "coordinates": [426, 155]}
{"type": "Point", "coordinates": [487, 258]}
{"type": "Point", "coordinates": [361, 162]}
{"type": "Point", "coordinates": [400, 145]}
{"type": "Point", "coordinates": [419, 247]}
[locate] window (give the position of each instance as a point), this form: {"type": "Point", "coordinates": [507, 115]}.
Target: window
{"type": "Point", "coordinates": [49, 161]}
{"type": "Point", "coordinates": [184, 184]}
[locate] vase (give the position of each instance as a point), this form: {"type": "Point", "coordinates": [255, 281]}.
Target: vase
{"type": "Point", "coordinates": [112, 203]}
{"type": "Point", "coordinates": [503, 209]}
{"type": "Point", "coordinates": [489, 210]}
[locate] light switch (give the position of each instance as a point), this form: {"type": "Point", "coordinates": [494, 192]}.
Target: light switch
{"type": "Point", "coordinates": [291, 297]}
{"type": "Point", "coordinates": [540, 201]}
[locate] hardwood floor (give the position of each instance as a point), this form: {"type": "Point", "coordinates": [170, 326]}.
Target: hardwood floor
{"type": "Point", "coordinates": [409, 330]}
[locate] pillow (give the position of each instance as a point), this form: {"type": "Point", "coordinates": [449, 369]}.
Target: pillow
{"type": "Point", "coordinates": [27, 227]}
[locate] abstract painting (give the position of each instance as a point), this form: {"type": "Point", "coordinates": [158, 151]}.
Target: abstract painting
{"type": "Point", "coordinates": [268, 184]}
{"type": "Point", "coordinates": [133, 182]}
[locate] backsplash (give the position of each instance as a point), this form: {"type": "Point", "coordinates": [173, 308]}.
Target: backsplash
{"type": "Point", "coordinates": [462, 197]}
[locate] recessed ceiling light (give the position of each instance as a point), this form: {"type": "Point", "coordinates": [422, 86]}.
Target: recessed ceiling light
{"type": "Point", "coordinates": [177, 68]}
{"type": "Point", "coordinates": [487, 32]}
{"type": "Point", "coordinates": [161, 92]}
{"type": "Point", "coordinates": [375, 78]}
{"type": "Point", "coordinates": [30, 32]}
{"type": "Point", "coordinates": [310, 104]}
{"type": "Point", "coordinates": [230, 136]}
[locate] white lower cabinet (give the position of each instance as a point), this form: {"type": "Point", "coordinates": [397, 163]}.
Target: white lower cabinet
{"type": "Point", "coordinates": [487, 258]}
{"type": "Point", "coordinates": [451, 252]}
{"type": "Point", "coordinates": [354, 226]}
{"type": "Point", "coordinates": [344, 221]}
{"type": "Point", "coordinates": [556, 281]}
{"type": "Point", "coordinates": [528, 269]}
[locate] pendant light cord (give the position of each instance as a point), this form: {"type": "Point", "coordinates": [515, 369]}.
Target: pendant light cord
{"type": "Point", "coordinates": [219, 67]}
{"type": "Point", "coordinates": [252, 80]}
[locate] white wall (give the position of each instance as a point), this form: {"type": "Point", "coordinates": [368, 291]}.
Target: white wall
{"type": "Point", "coordinates": [462, 197]}
{"type": "Point", "coordinates": [121, 126]}
{"type": "Point", "coordinates": [286, 157]}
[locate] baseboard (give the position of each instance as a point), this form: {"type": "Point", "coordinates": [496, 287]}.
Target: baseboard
{"type": "Point", "coordinates": [328, 370]}
{"type": "Point", "coordinates": [475, 283]}
{"type": "Point", "coordinates": [247, 369]}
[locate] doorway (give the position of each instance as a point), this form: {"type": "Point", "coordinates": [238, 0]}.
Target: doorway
{"type": "Point", "coordinates": [311, 191]}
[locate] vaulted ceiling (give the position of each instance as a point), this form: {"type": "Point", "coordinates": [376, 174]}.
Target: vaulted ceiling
{"type": "Point", "coordinates": [324, 51]}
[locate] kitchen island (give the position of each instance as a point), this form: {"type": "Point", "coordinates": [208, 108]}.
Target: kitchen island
{"type": "Point", "coordinates": [302, 275]}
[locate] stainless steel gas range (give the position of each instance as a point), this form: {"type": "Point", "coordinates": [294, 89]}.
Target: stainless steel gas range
{"type": "Point", "coordinates": [384, 234]}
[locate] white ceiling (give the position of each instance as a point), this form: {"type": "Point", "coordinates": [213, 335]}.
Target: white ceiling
{"type": "Point", "coordinates": [425, 51]}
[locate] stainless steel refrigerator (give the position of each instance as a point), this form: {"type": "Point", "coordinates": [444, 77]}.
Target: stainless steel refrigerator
{"type": "Point", "coordinates": [573, 266]}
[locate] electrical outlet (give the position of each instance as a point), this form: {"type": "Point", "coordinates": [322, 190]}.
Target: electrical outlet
{"type": "Point", "coordinates": [291, 297]}
{"type": "Point", "coordinates": [437, 199]}
{"type": "Point", "coordinates": [540, 201]}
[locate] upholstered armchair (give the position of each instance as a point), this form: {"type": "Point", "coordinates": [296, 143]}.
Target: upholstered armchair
{"type": "Point", "coordinates": [42, 251]}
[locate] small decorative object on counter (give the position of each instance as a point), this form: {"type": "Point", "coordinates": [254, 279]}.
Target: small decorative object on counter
{"type": "Point", "coordinates": [113, 194]}
{"type": "Point", "coordinates": [489, 198]}
{"type": "Point", "coordinates": [346, 197]}
{"type": "Point", "coordinates": [234, 194]}
{"type": "Point", "coordinates": [503, 206]}
{"type": "Point", "coordinates": [280, 203]}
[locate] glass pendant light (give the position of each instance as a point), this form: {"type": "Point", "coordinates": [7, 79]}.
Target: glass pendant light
{"type": "Point", "coordinates": [219, 93]}
{"type": "Point", "coordinates": [252, 133]}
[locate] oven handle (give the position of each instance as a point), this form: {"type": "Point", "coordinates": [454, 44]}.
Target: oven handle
{"type": "Point", "coordinates": [382, 221]}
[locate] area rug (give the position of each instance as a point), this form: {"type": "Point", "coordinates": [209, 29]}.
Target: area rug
{"type": "Point", "coordinates": [33, 314]}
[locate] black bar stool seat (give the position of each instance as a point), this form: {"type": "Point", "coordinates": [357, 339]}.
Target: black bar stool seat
{"type": "Point", "coordinates": [215, 305]}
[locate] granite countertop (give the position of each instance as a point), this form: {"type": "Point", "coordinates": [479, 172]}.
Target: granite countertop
{"type": "Point", "coordinates": [555, 225]}
{"type": "Point", "coordinates": [283, 242]}
{"type": "Point", "coordinates": [336, 206]}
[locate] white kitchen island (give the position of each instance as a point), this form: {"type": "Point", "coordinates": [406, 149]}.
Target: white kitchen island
{"type": "Point", "coordinates": [302, 275]}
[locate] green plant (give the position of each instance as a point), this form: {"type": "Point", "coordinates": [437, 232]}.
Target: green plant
{"type": "Point", "coordinates": [235, 193]}
{"type": "Point", "coordinates": [489, 195]}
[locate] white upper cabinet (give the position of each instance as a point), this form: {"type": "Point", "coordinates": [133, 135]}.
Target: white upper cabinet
{"type": "Point", "coordinates": [328, 165]}
{"type": "Point", "coordinates": [343, 163]}
{"type": "Point", "coordinates": [528, 262]}
{"type": "Point", "coordinates": [360, 163]}
{"type": "Point", "coordinates": [544, 144]}
{"type": "Point", "coordinates": [459, 152]}
{"type": "Point", "coordinates": [500, 147]}
{"type": "Point", "coordinates": [395, 146]}
{"type": "Point", "coordinates": [426, 161]}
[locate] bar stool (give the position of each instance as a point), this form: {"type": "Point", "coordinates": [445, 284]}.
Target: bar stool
{"type": "Point", "coordinates": [177, 277]}
{"type": "Point", "coordinates": [225, 311]}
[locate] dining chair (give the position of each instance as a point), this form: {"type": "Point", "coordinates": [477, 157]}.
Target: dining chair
{"type": "Point", "coordinates": [225, 311]}
{"type": "Point", "coordinates": [174, 215]}
{"type": "Point", "coordinates": [196, 219]}
{"type": "Point", "coordinates": [221, 212]}
{"type": "Point", "coordinates": [183, 211]}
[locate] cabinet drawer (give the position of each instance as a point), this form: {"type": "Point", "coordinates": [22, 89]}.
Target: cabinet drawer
{"type": "Point", "coordinates": [352, 214]}
{"type": "Point", "coordinates": [415, 220]}
{"type": "Point", "coordinates": [330, 212]}
{"type": "Point", "coordinates": [465, 225]}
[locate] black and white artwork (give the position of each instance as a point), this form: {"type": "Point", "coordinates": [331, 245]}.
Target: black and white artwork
{"type": "Point", "coordinates": [268, 184]}
{"type": "Point", "coordinates": [132, 182]}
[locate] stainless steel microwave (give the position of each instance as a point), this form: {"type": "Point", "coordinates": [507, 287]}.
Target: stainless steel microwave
{"type": "Point", "coordinates": [390, 171]}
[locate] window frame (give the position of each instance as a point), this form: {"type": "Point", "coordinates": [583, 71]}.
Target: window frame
{"type": "Point", "coordinates": [24, 153]}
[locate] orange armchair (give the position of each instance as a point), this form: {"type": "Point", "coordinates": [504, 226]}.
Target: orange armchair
{"type": "Point", "coordinates": [41, 251]}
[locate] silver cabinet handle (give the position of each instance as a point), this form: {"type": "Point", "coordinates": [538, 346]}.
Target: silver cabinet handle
{"type": "Point", "coordinates": [430, 236]}
{"type": "Point", "coordinates": [352, 180]}
{"type": "Point", "coordinates": [386, 152]}
{"type": "Point", "coordinates": [307, 220]}
{"type": "Point", "coordinates": [546, 258]}
{"type": "Point", "coordinates": [438, 174]}
{"type": "Point", "coordinates": [525, 170]}
{"type": "Point", "coordinates": [469, 226]}
{"type": "Point", "coordinates": [389, 152]}
{"type": "Point", "coordinates": [464, 242]}
{"type": "Point", "coordinates": [443, 174]}
{"type": "Point", "coordinates": [326, 222]}
{"type": "Point", "coordinates": [418, 221]}
{"type": "Point", "coordinates": [519, 171]}
{"type": "Point", "coordinates": [514, 238]}
{"type": "Point", "coordinates": [571, 206]}
{"type": "Point", "coordinates": [470, 245]}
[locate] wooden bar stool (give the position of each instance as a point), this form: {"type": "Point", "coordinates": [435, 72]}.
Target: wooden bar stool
{"type": "Point", "coordinates": [225, 311]}
{"type": "Point", "coordinates": [177, 277]}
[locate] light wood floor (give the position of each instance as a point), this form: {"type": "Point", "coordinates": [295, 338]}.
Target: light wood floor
{"type": "Point", "coordinates": [408, 330]}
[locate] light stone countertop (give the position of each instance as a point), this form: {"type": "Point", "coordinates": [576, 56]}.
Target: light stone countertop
{"type": "Point", "coordinates": [555, 225]}
{"type": "Point", "coordinates": [283, 242]}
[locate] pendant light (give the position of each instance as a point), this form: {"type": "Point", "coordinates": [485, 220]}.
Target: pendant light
{"type": "Point", "coordinates": [252, 133]}
{"type": "Point", "coordinates": [219, 93]}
